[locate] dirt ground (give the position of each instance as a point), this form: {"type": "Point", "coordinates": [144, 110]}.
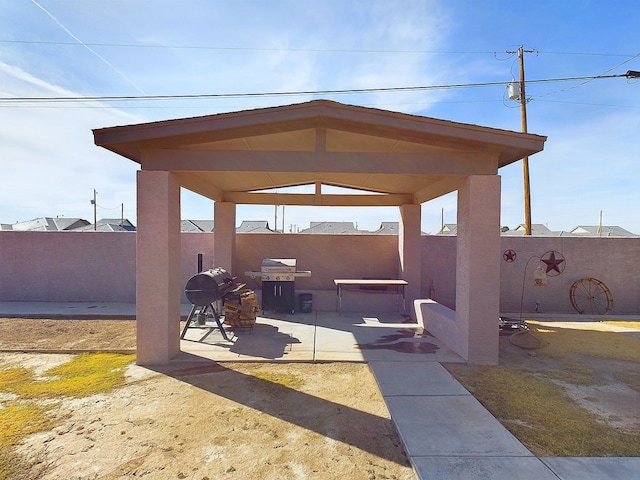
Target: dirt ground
{"type": "Point", "coordinates": [250, 421]}
{"type": "Point", "coordinates": [212, 421]}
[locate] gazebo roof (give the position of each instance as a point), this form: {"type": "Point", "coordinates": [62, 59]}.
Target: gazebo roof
{"type": "Point", "coordinates": [397, 158]}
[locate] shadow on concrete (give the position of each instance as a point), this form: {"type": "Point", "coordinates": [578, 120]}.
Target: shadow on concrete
{"type": "Point", "coordinates": [264, 341]}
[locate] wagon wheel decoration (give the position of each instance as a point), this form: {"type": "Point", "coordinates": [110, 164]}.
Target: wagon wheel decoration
{"type": "Point", "coordinates": [590, 295]}
{"type": "Point", "coordinates": [554, 263]}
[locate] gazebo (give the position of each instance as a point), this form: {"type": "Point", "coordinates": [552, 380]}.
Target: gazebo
{"type": "Point", "coordinates": [394, 159]}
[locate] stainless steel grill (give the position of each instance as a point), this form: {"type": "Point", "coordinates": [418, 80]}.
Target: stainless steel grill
{"type": "Point", "coordinates": [278, 269]}
{"type": "Point", "coordinates": [278, 283]}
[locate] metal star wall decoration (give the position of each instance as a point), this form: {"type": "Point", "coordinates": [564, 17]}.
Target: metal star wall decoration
{"type": "Point", "coordinates": [555, 263]}
{"type": "Point", "coordinates": [509, 256]}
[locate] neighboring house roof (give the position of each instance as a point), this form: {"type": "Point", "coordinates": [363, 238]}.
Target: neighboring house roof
{"type": "Point", "coordinates": [108, 225]}
{"type": "Point", "coordinates": [254, 226]}
{"type": "Point", "coordinates": [537, 229]}
{"type": "Point", "coordinates": [388, 228]}
{"type": "Point", "coordinates": [449, 229]}
{"type": "Point", "coordinates": [47, 224]}
{"type": "Point", "coordinates": [331, 228]}
{"type": "Point", "coordinates": [196, 226]}
{"type": "Point", "coordinates": [601, 231]}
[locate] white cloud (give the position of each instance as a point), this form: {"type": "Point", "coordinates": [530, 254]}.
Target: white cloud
{"type": "Point", "coordinates": [49, 162]}
{"type": "Point", "coordinates": [589, 163]}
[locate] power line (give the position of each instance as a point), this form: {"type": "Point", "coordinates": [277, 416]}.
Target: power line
{"type": "Point", "coordinates": [88, 47]}
{"type": "Point", "coordinates": [630, 74]}
{"type": "Point", "coordinates": [309, 50]}
{"type": "Point", "coordinates": [590, 104]}
{"type": "Point", "coordinates": [245, 49]}
{"type": "Point", "coordinates": [115, 98]}
{"type": "Point", "coordinates": [439, 102]}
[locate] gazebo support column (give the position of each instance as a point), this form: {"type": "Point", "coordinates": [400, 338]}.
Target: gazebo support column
{"type": "Point", "coordinates": [224, 235]}
{"type": "Point", "coordinates": [158, 286]}
{"type": "Point", "coordinates": [478, 269]}
{"type": "Point", "coordinates": [409, 249]}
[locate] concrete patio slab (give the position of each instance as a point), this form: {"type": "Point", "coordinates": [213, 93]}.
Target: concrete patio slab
{"type": "Point", "coordinates": [451, 426]}
{"type": "Point", "coordinates": [321, 336]}
{"type": "Point", "coordinates": [485, 468]}
{"type": "Point", "coordinates": [371, 337]}
{"type": "Point", "coordinates": [68, 309]}
{"type": "Point", "coordinates": [590, 468]}
{"type": "Point", "coordinates": [269, 340]}
{"type": "Point", "coordinates": [410, 379]}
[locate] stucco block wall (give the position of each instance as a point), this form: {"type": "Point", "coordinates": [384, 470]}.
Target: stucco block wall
{"type": "Point", "coordinates": [67, 266]}
{"type": "Point", "coordinates": [328, 257]}
{"type": "Point", "coordinates": [439, 269]}
{"type": "Point", "coordinates": [614, 261]}
{"type": "Point", "coordinates": [86, 266]}
{"type": "Point", "coordinates": [82, 266]}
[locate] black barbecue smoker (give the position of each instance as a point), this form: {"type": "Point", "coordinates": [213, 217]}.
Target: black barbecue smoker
{"type": "Point", "coordinates": [203, 290]}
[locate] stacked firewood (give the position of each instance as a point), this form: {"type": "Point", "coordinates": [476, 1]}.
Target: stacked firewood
{"type": "Point", "coordinates": [241, 308]}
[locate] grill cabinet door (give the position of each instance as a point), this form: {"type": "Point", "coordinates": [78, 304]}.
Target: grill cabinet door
{"type": "Point", "coordinates": [278, 296]}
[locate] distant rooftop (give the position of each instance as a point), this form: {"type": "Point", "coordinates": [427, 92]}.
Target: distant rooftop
{"type": "Point", "coordinates": [537, 229]}
{"type": "Point", "coordinates": [108, 225]}
{"type": "Point", "coordinates": [449, 229]}
{"type": "Point", "coordinates": [196, 226]}
{"type": "Point", "coordinates": [254, 226]}
{"type": "Point", "coordinates": [47, 224]}
{"type": "Point", "coordinates": [601, 231]}
{"type": "Point", "coordinates": [331, 228]}
{"type": "Point", "coordinates": [540, 230]}
{"type": "Point", "coordinates": [388, 228]}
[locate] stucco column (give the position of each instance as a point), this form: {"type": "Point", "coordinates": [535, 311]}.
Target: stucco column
{"type": "Point", "coordinates": [409, 249]}
{"type": "Point", "coordinates": [478, 268]}
{"type": "Point", "coordinates": [158, 286]}
{"type": "Point", "coordinates": [224, 235]}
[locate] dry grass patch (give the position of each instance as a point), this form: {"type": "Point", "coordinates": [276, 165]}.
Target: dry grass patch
{"type": "Point", "coordinates": [633, 324]}
{"type": "Point", "coordinates": [574, 396]}
{"type": "Point", "coordinates": [285, 379]}
{"type": "Point", "coordinates": [542, 416]}
{"type": "Point", "coordinates": [561, 342]}
{"type": "Point", "coordinates": [84, 375]}
{"type": "Point", "coordinates": [29, 400]}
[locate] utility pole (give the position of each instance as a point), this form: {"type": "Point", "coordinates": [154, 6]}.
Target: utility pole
{"type": "Point", "coordinates": [522, 98]}
{"type": "Point", "coordinates": [275, 218]}
{"type": "Point", "coordinates": [95, 210]}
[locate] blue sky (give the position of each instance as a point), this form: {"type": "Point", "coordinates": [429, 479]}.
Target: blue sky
{"type": "Point", "coordinates": [53, 48]}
